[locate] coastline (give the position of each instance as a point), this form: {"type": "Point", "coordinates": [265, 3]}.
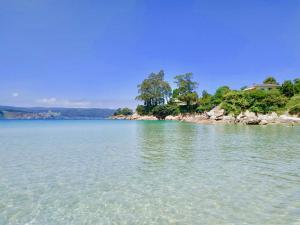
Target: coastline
{"type": "Point", "coordinates": [217, 116]}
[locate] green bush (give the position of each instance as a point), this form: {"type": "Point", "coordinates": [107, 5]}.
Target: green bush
{"type": "Point", "coordinates": [142, 110]}
{"type": "Point", "coordinates": [220, 94]}
{"type": "Point", "coordinates": [258, 101]}
{"type": "Point", "coordinates": [162, 111]}
{"type": "Point", "coordinates": [123, 111]}
{"type": "Point", "coordinates": [293, 105]}
{"type": "Point", "coordinates": [266, 101]}
{"type": "Point", "coordinates": [205, 104]}
{"type": "Point", "coordinates": [295, 110]}
{"type": "Point", "coordinates": [287, 88]}
{"type": "Point", "coordinates": [235, 102]}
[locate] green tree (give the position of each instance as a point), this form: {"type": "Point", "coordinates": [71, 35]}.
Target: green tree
{"type": "Point", "coordinates": [235, 102]}
{"type": "Point", "coordinates": [258, 101]}
{"type": "Point", "coordinates": [287, 88]}
{"type": "Point", "coordinates": [205, 102]}
{"type": "Point", "coordinates": [262, 101]}
{"type": "Point", "coordinates": [186, 89]}
{"type": "Point", "coordinates": [142, 110]}
{"type": "Point", "coordinates": [205, 94]}
{"type": "Point", "coordinates": [123, 111]}
{"type": "Point", "coordinates": [297, 85]}
{"type": "Point", "coordinates": [270, 80]}
{"type": "Point", "coordinates": [220, 93]}
{"type": "Point", "coordinates": [162, 111]}
{"type": "Point", "coordinates": [154, 90]}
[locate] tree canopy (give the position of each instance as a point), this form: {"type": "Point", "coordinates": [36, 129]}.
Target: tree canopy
{"type": "Point", "coordinates": [270, 80]}
{"type": "Point", "coordinates": [154, 90]}
{"type": "Point", "coordinates": [186, 88]}
{"type": "Point", "coordinates": [287, 88]}
{"type": "Point", "coordinates": [123, 111]}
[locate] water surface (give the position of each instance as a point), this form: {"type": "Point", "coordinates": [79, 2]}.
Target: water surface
{"type": "Point", "coordinates": [152, 172]}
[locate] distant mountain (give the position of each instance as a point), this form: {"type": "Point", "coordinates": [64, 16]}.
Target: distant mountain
{"type": "Point", "coordinates": [11, 112]}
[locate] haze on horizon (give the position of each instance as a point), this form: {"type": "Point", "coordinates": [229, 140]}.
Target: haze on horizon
{"type": "Point", "coordinates": [91, 53]}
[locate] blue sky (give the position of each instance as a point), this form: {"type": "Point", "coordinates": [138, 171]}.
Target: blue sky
{"type": "Point", "coordinates": [93, 53]}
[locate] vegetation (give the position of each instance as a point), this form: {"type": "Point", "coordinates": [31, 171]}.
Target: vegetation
{"type": "Point", "coordinates": [287, 88]}
{"type": "Point", "coordinates": [162, 111]}
{"type": "Point", "coordinates": [186, 90]}
{"type": "Point", "coordinates": [206, 103]}
{"type": "Point", "coordinates": [155, 92]}
{"type": "Point", "coordinates": [258, 101]}
{"type": "Point", "coordinates": [123, 111]}
{"type": "Point", "coordinates": [293, 105]}
{"type": "Point", "coordinates": [270, 80]}
{"type": "Point", "coordinates": [297, 85]}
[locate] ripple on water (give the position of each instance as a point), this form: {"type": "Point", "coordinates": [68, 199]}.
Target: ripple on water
{"type": "Point", "coordinates": [154, 172]}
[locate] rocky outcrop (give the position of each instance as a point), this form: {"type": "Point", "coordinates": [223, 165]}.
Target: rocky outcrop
{"type": "Point", "coordinates": [289, 119]}
{"type": "Point", "coordinates": [268, 118]}
{"type": "Point", "coordinates": [216, 113]}
{"type": "Point", "coordinates": [247, 117]}
{"type": "Point", "coordinates": [134, 116]}
{"type": "Point", "coordinates": [217, 116]}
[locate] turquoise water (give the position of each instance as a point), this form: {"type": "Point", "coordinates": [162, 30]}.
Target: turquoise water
{"type": "Point", "coordinates": [153, 172]}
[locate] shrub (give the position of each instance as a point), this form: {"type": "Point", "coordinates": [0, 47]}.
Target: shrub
{"type": "Point", "coordinates": [297, 85]}
{"type": "Point", "coordinates": [162, 111]}
{"type": "Point", "coordinates": [293, 105]}
{"type": "Point", "coordinates": [220, 93]}
{"type": "Point", "coordinates": [142, 110]}
{"type": "Point", "coordinates": [258, 101]}
{"type": "Point", "coordinates": [295, 110]}
{"type": "Point", "coordinates": [205, 104]}
{"type": "Point", "coordinates": [235, 102]}
{"type": "Point", "coordinates": [287, 88]}
{"type": "Point", "coordinates": [266, 101]}
{"type": "Point", "coordinates": [124, 111]}
{"type": "Point", "coordinates": [270, 80]}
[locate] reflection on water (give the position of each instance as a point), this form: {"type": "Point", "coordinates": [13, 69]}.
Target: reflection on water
{"type": "Point", "coordinates": [160, 143]}
{"type": "Point", "coordinates": [148, 172]}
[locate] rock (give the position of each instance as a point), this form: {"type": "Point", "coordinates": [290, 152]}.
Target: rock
{"type": "Point", "coordinates": [216, 113]}
{"type": "Point", "coordinates": [263, 122]}
{"type": "Point", "coordinates": [172, 118]}
{"type": "Point", "coordinates": [248, 118]}
{"type": "Point", "coordinates": [288, 119]}
{"type": "Point", "coordinates": [229, 119]}
{"type": "Point", "coordinates": [270, 118]}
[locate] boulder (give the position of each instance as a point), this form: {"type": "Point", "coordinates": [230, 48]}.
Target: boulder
{"type": "Point", "coordinates": [270, 118]}
{"type": "Point", "coordinates": [248, 118]}
{"type": "Point", "coordinates": [263, 122]}
{"type": "Point", "coordinates": [172, 118]}
{"type": "Point", "coordinates": [288, 119]}
{"type": "Point", "coordinates": [229, 119]}
{"type": "Point", "coordinates": [216, 113]}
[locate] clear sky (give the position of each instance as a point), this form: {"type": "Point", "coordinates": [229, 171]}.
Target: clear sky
{"type": "Point", "coordinates": [93, 53]}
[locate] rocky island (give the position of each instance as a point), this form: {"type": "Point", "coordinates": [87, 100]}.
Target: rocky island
{"type": "Point", "coordinates": [258, 104]}
{"type": "Point", "coordinates": [217, 116]}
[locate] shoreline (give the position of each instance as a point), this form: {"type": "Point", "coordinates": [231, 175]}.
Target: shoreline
{"type": "Point", "coordinates": [217, 116]}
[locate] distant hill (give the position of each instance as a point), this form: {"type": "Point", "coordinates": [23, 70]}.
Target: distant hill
{"type": "Point", "coordinates": [11, 112]}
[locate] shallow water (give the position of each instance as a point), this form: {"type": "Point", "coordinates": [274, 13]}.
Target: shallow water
{"type": "Point", "coordinates": [152, 172]}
